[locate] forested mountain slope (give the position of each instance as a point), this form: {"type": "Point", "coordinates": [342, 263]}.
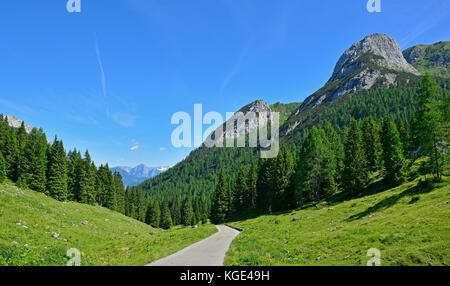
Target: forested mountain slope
{"type": "Point", "coordinates": [372, 78]}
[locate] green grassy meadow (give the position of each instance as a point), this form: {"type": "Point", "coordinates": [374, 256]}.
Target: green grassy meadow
{"type": "Point", "coordinates": [409, 224]}
{"type": "Point", "coordinates": [38, 230]}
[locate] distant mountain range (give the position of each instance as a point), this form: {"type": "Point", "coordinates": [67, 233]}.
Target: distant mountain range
{"type": "Point", "coordinates": [135, 176]}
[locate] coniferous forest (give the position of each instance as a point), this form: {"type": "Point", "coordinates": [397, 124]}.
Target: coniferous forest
{"type": "Point", "coordinates": [32, 162]}
{"type": "Point", "coordinates": [343, 160]}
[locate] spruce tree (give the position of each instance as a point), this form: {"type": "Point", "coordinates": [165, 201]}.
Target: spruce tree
{"type": "Point", "coordinates": [11, 154]}
{"type": "Point", "coordinates": [153, 216]}
{"type": "Point", "coordinates": [281, 180]}
{"type": "Point", "coordinates": [120, 192]}
{"type": "Point", "coordinates": [429, 127]}
{"type": "Point", "coordinates": [337, 148]}
{"type": "Point", "coordinates": [264, 185]}
{"type": "Point", "coordinates": [251, 184]}
{"type": "Point", "coordinates": [241, 196]}
{"type": "Point", "coordinates": [317, 167]}
{"type": "Point", "coordinates": [394, 162]}
{"type": "Point", "coordinates": [57, 172]}
{"type": "Point", "coordinates": [355, 175]}
{"type": "Point", "coordinates": [32, 171]}
{"type": "Point", "coordinates": [220, 204]}
{"type": "Point", "coordinates": [2, 168]}
{"type": "Point", "coordinates": [371, 143]}
{"type": "Point", "coordinates": [188, 213]}
{"type": "Point", "coordinates": [166, 218]}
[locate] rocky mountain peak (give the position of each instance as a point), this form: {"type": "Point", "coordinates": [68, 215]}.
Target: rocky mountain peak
{"type": "Point", "coordinates": [384, 51]}
{"type": "Point", "coordinates": [376, 59]}
{"type": "Point", "coordinates": [16, 123]}
{"type": "Point", "coordinates": [251, 122]}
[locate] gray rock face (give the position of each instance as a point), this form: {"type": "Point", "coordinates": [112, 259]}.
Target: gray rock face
{"type": "Point", "coordinates": [375, 59]}
{"type": "Point", "coordinates": [16, 123]}
{"type": "Point", "coordinates": [413, 54]}
{"type": "Point", "coordinates": [247, 126]}
{"type": "Point", "coordinates": [386, 50]}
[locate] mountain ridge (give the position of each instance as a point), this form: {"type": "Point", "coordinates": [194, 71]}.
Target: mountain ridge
{"type": "Point", "coordinates": [133, 176]}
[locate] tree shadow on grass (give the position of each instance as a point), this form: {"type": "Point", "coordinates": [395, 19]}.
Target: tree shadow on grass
{"type": "Point", "coordinates": [422, 187]}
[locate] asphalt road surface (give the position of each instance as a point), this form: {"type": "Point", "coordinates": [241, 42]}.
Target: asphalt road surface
{"type": "Point", "coordinates": [208, 252]}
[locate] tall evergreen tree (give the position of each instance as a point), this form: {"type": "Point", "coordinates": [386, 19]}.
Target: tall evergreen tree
{"type": "Point", "coordinates": [429, 126]}
{"type": "Point", "coordinates": [241, 196]}
{"type": "Point", "coordinates": [405, 136]}
{"type": "Point", "coordinates": [120, 193]}
{"type": "Point", "coordinates": [394, 162]}
{"type": "Point", "coordinates": [371, 143]}
{"type": "Point", "coordinates": [220, 204]}
{"type": "Point", "coordinates": [264, 185]}
{"type": "Point", "coordinates": [337, 148]}
{"type": "Point", "coordinates": [166, 218]}
{"type": "Point", "coordinates": [281, 179]}
{"type": "Point", "coordinates": [11, 154]}
{"type": "Point", "coordinates": [317, 167]}
{"type": "Point", "coordinates": [251, 184]}
{"type": "Point", "coordinates": [57, 172]}
{"type": "Point", "coordinates": [153, 216]}
{"type": "Point", "coordinates": [2, 168]}
{"type": "Point", "coordinates": [188, 212]}
{"type": "Point", "coordinates": [355, 173]}
{"type": "Point", "coordinates": [32, 172]}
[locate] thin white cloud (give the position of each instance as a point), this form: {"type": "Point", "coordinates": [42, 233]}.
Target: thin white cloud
{"type": "Point", "coordinates": [162, 149]}
{"type": "Point", "coordinates": [134, 148]}
{"type": "Point", "coordinates": [100, 63]}
{"type": "Point", "coordinates": [236, 69]}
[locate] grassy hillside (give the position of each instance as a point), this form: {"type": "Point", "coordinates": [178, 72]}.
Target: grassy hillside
{"type": "Point", "coordinates": [408, 224]}
{"type": "Point", "coordinates": [37, 230]}
{"type": "Point", "coordinates": [433, 59]}
{"type": "Point", "coordinates": [285, 110]}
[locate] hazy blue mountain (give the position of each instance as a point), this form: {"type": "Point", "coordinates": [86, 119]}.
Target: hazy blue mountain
{"type": "Point", "coordinates": [135, 176]}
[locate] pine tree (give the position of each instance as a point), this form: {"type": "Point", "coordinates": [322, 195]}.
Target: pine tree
{"type": "Point", "coordinates": [87, 192]}
{"type": "Point", "coordinates": [11, 154]}
{"type": "Point", "coordinates": [394, 162]}
{"type": "Point", "coordinates": [2, 168]}
{"type": "Point", "coordinates": [251, 184]}
{"type": "Point", "coordinates": [429, 126]}
{"type": "Point", "coordinates": [337, 148]}
{"type": "Point", "coordinates": [220, 204]}
{"type": "Point", "coordinates": [405, 136]}
{"type": "Point", "coordinates": [281, 179]}
{"type": "Point", "coordinates": [354, 174]}
{"type": "Point", "coordinates": [153, 216]}
{"type": "Point", "coordinates": [176, 211]}
{"type": "Point", "coordinates": [120, 193]}
{"type": "Point", "coordinates": [34, 162]}
{"type": "Point", "coordinates": [317, 167]}
{"type": "Point", "coordinates": [241, 197]}
{"type": "Point", "coordinates": [371, 143]}
{"type": "Point", "coordinates": [57, 172]}
{"type": "Point", "coordinates": [166, 218]}
{"type": "Point", "coordinates": [188, 213]}
{"type": "Point", "coordinates": [108, 188]}
{"type": "Point", "coordinates": [264, 185]}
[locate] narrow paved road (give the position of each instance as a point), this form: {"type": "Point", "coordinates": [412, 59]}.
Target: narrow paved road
{"type": "Point", "coordinates": [208, 252]}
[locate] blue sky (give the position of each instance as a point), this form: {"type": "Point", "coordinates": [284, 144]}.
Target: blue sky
{"type": "Point", "coordinates": [109, 78]}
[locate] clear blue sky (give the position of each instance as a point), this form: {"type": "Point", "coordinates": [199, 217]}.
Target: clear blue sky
{"type": "Point", "coordinates": [114, 74]}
